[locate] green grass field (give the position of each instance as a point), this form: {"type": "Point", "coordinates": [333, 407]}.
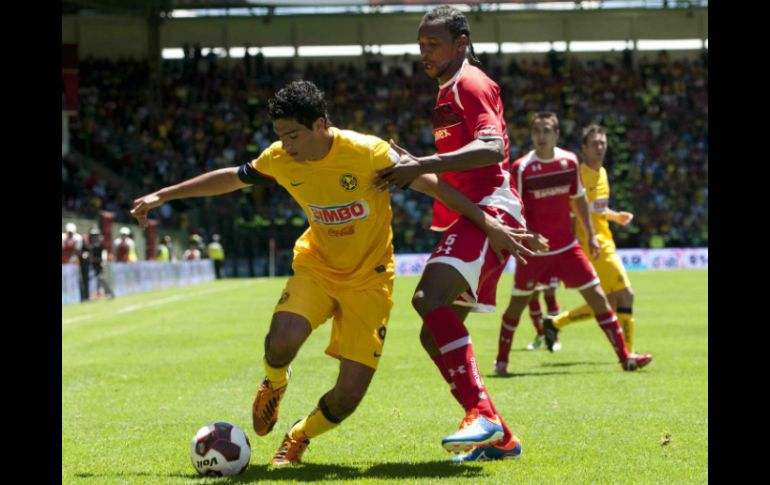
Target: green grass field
{"type": "Point", "coordinates": [141, 374]}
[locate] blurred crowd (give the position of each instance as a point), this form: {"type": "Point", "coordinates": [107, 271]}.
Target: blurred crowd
{"type": "Point", "coordinates": [211, 115]}
{"type": "Point", "coordinates": [92, 254]}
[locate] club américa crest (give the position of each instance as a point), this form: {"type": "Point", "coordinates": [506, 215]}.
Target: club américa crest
{"type": "Point", "coordinates": [349, 182]}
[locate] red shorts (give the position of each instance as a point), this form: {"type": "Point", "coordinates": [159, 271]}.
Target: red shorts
{"type": "Point", "coordinates": [465, 247]}
{"type": "Point", "coordinates": [548, 282]}
{"type": "Point", "coordinates": [571, 266]}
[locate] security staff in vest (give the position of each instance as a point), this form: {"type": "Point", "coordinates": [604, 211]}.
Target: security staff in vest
{"type": "Point", "coordinates": [217, 254]}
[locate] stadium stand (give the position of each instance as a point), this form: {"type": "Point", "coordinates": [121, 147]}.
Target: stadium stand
{"type": "Point", "coordinates": [213, 116]}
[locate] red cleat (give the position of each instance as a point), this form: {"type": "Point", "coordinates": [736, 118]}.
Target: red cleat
{"type": "Point", "coordinates": [636, 361]}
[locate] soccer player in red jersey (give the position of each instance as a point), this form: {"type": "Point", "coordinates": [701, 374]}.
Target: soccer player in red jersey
{"type": "Point", "coordinates": [548, 178]}
{"type": "Point", "coordinates": [461, 275]}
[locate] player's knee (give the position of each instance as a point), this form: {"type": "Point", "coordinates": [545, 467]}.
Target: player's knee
{"type": "Point", "coordinates": [596, 299]}
{"type": "Point", "coordinates": [626, 297]}
{"type": "Point", "coordinates": [423, 303]}
{"type": "Point", "coordinates": [279, 349]}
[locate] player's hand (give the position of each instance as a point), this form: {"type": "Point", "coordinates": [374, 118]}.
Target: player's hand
{"type": "Point", "coordinates": [624, 218]}
{"type": "Point", "coordinates": [142, 205]}
{"type": "Point", "coordinates": [594, 248]}
{"type": "Point", "coordinates": [398, 176]}
{"type": "Point", "coordinates": [535, 241]}
{"type": "Point", "coordinates": [505, 239]}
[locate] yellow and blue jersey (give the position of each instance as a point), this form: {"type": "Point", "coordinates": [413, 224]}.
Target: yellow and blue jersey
{"type": "Point", "coordinates": [349, 241]}
{"type": "Point", "coordinates": [597, 188]}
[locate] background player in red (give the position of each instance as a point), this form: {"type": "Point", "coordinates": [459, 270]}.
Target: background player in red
{"type": "Point", "coordinates": [462, 274]}
{"type": "Point", "coordinates": [547, 179]}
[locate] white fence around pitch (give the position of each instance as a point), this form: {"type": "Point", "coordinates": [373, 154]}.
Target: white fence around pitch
{"type": "Point", "coordinates": [633, 259]}
{"type": "Point", "coordinates": [130, 278]}
{"type": "Point", "coordinates": [70, 284]}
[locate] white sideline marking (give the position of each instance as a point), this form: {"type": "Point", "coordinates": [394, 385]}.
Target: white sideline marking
{"type": "Point", "coordinates": [133, 308]}
{"type": "Point", "coordinates": [75, 319]}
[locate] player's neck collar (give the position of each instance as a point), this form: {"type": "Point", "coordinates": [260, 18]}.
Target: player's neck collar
{"type": "Point", "coordinates": [334, 132]}
{"type": "Point", "coordinates": [456, 75]}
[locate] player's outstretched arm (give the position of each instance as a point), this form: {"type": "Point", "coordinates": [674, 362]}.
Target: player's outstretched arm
{"type": "Point", "coordinates": [477, 153]}
{"type": "Point", "coordinates": [501, 237]}
{"type": "Point", "coordinates": [623, 218]}
{"type": "Point", "coordinates": [216, 182]}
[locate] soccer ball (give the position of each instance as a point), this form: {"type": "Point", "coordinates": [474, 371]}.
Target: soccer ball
{"type": "Point", "coordinates": [220, 449]}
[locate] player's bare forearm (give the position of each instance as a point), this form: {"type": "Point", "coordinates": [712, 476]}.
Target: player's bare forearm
{"type": "Point", "coordinates": [217, 182]}
{"type": "Point", "coordinates": [502, 238]}
{"type": "Point", "coordinates": [478, 153]}
{"type": "Point", "coordinates": [208, 184]}
{"type": "Point", "coordinates": [432, 185]}
{"type": "Point", "coordinates": [623, 218]}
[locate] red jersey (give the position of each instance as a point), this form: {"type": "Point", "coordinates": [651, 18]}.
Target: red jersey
{"type": "Point", "coordinates": [546, 187]}
{"type": "Point", "coordinates": [70, 248]}
{"type": "Point", "coordinates": [122, 249]}
{"type": "Point", "coordinates": [468, 108]}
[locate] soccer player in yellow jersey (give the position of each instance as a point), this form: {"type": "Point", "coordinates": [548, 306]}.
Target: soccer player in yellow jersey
{"type": "Point", "coordinates": [343, 263]}
{"type": "Point", "coordinates": [612, 275]}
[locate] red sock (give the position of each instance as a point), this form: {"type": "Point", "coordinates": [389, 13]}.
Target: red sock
{"type": "Point", "coordinates": [536, 315]}
{"type": "Point", "coordinates": [507, 329]}
{"type": "Point", "coordinates": [506, 432]}
{"type": "Point", "coordinates": [445, 374]}
{"type": "Point", "coordinates": [608, 322]}
{"type": "Point", "coordinates": [452, 338]}
{"type": "Point", "coordinates": [552, 304]}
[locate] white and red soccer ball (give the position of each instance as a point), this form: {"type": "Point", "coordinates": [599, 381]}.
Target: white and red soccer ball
{"type": "Point", "coordinates": [219, 449]}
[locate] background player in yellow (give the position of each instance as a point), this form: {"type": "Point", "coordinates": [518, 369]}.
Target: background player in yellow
{"type": "Point", "coordinates": [343, 263]}
{"type": "Point", "coordinates": [608, 266]}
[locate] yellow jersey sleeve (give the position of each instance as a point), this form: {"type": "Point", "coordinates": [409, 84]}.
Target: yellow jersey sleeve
{"type": "Point", "coordinates": [598, 194]}
{"type": "Point", "coordinates": [383, 156]}
{"type": "Point", "coordinates": [264, 164]}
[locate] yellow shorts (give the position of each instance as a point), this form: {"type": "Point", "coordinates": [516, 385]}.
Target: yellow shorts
{"type": "Point", "coordinates": [612, 274]}
{"type": "Point", "coordinates": [360, 316]}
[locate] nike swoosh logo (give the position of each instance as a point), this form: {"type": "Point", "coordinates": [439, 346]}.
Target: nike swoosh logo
{"type": "Point", "coordinates": [376, 354]}
{"type": "Point", "coordinates": [297, 184]}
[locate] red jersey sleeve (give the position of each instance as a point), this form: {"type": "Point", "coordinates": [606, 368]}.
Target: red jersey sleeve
{"type": "Point", "coordinates": [576, 188]}
{"type": "Point", "coordinates": [481, 105]}
{"type": "Point", "coordinates": [515, 178]}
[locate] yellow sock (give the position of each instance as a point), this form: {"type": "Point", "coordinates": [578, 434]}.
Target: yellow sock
{"type": "Point", "coordinates": [627, 322]}
{"type": "Point", "coordinates": [313, 425]}
{"type": "Point", "coordinates": [573, 316]}
{"type": "Point", "coordinates": [278, 377]}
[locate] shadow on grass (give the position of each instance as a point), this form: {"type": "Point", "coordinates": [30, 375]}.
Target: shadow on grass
{"type": "Point", "coordinates": [510, 375]}
{"type": "Point", "coordinates": [570, 364]}
{"type": "Point", "coordinates": [137, 474]}
{"type": "Point", "coordinates": [308, 472]}
{"type": "Point", "coordinates": [314, 472]}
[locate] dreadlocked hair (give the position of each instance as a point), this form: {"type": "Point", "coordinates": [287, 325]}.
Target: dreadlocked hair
{"type": "Point", "coordinates": [456, 23]}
